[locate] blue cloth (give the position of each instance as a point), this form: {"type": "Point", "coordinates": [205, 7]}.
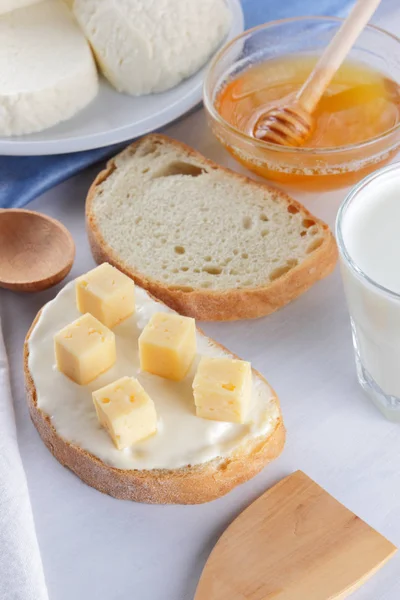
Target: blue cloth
{"type": "Point", "coordinates": [24, 178]}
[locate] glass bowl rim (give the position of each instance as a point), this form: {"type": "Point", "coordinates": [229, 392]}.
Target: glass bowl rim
{"type": "Point", "coordinates": [209, 105]}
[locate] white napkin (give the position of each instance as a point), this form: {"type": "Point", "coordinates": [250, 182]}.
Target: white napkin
{"type": "Point", "coordinates": [21, 570]}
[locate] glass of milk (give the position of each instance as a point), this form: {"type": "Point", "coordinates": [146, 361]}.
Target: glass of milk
{"type": "Point", "coordinates": [368, 235]}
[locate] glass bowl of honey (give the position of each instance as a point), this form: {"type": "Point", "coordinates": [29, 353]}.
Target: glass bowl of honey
{"type": "Point", "coordinates": [357, 121]}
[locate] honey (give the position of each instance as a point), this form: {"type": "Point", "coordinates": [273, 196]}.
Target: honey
{"type": "Point", "coordinates": [359, 105]}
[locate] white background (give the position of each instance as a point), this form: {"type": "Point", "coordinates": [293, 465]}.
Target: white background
{"type": "Point", "coordinates": [95, 547]}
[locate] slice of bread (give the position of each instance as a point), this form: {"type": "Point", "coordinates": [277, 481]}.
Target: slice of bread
{"type": "Point", "coordinates": [57, 405]}
{"type": "Point", "coordinates": [208, 242]}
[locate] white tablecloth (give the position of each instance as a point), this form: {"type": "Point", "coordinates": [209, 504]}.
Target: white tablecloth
{"type": "Point", "coordinates": [94, 547]}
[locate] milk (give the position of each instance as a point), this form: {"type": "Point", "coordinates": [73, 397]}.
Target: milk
{"type": "Point", "coordinates": [368, 231]}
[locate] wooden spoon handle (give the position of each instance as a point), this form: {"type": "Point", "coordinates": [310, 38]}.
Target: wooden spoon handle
{"type": "Point", "coordinates": [313, 89]}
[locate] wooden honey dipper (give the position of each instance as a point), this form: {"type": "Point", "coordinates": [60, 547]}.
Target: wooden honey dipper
{"type": "Point", "coordinates": [292, 125]}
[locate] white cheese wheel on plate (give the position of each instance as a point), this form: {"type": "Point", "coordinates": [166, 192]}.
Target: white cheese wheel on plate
{"type": "Point", "coordinates": [9, 5]}
{"type": "Point", "coordinates": [145, 46]}
{"type": "Point", "coordinates": [47, 71]}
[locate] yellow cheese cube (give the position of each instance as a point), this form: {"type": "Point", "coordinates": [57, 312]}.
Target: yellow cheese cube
{"type": "Point", "coordinates": [125, 411]}
{"type": "Point", "coordinates": [167, 345]}
{"type": "Point", "coordinates": [107, 294]}
{"type": "Point", "coordinates": [222, 389]}
{"type": "Point", "coordinates": [84, 349]}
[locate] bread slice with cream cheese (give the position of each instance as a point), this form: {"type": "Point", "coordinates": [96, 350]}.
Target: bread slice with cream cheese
{"type": "Point", "coordinates": [188, 461]}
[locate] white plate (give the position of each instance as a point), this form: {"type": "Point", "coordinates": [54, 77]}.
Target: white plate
{"type": "Point", "coordinates": [114, 117]}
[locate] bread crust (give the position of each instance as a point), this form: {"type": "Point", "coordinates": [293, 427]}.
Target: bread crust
{"type": "Point", "coordinates": [217, 305]}
{"type": "Point", "coordinates": [188, 485]}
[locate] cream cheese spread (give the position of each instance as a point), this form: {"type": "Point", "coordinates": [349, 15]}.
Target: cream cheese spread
{"type": "Point", "coordinates": [182, 438]}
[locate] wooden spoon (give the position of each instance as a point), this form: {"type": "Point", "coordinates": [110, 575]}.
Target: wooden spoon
{"type": "Point", "coordinates": [295, 542]}
{"type": "Point", "coordinates": [36, 251]}
{"type": "Point", "coordinates": [292, 125]}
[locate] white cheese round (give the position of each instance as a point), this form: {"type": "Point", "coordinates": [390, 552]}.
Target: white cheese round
{"type": "Point", "coordinates": [9, 5]}
{"type": "Point", "coordinates": [145, 46]}
{"type": "Point", "coordinates": [47, 71]}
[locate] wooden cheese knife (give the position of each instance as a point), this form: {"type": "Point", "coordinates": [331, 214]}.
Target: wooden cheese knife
{"type": "Point", "coordinates": [296, 542]}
